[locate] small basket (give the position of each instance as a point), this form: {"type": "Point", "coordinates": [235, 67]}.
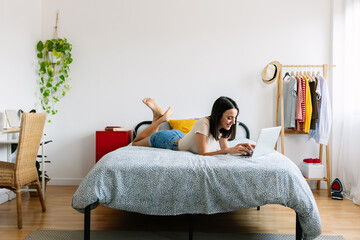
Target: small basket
{"type": "Point", "coordinates": [33, 186]}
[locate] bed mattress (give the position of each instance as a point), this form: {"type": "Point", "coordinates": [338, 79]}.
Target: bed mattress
{"type": "Point", "coordinates": [165, 182]}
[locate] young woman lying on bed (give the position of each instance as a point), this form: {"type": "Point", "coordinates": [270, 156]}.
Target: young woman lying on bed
{"type": "Point", "coordinates": [219, 127]}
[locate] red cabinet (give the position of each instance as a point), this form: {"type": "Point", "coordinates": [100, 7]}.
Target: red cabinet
{"type": "Point", "coordinates": [107, 141]}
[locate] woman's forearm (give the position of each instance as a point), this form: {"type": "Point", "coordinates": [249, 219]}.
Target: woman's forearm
{"type": "Point", "coordinates": [219, 152]}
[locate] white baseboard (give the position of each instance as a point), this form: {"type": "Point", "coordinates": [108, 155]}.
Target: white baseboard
{"type": "Point", "coordinates": [65, 181]}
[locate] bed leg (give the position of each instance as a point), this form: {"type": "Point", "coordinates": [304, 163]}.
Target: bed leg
{"type": "Point", "coordinates": [190, 227]}
{"type": "Point", "coordinates": [258, 208]}
{"type": "Point", "coordinates": [87, 223]}
{"type": "Point", "coordinates": [298, 228]}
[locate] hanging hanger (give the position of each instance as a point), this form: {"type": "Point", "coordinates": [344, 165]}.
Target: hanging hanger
{"type": "Point", "coordinates": [309, 76]}
{"type": "Point", "coordinates": [298, 72]}
{"type": "Point", "coordinates": [286, 75]}
{"type": "Point", "coordinates": [313, 76]}
{"type": "Point", "coordinates": [306, 77]}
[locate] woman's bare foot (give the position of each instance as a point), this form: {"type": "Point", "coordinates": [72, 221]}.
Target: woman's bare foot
{"type": "Point", "coordinates": [154, 106]}
{"type": "Point", "coordinates": [166, 116]}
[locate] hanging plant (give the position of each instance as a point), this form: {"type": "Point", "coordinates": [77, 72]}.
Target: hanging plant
{"type": "Point", "coordinates": [54, 58]}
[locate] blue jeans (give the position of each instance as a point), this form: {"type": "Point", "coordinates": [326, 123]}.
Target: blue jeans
{"type": "Point", "coordinates": [166, 139]}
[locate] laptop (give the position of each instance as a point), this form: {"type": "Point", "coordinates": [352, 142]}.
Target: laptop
{"type": "Point", "coordinates": [13, 119]}
{"type": "Point", "coordinates": [266, 142]}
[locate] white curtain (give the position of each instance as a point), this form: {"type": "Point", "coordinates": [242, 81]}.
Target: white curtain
{"type": "Point", "coordinates": [347, 103]}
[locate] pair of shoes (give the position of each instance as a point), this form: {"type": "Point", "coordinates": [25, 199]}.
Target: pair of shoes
{"type": "Point", "coordinates": [312, 160]}
{"type": "Point", "coordinates": [336, 188]}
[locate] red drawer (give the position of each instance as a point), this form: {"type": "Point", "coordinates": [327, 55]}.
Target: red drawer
{"type": "Point", "coordinates": [107, 141]}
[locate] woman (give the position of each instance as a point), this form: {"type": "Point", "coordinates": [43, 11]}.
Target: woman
{"type": "Point", "coordinates": [219, 127]}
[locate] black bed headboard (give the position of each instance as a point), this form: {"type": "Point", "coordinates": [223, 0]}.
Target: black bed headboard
{"type": "Point", "coordinates": [243, 125]}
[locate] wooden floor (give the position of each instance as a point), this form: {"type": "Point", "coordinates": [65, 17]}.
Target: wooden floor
{"type": "Point", "coordinates": [338, 218]}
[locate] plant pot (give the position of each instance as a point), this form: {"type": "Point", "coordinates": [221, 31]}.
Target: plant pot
{"type": "Point", "coordinates": [33, 186]}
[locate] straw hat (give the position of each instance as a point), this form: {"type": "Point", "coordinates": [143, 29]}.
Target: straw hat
{"type": "Point", "coordinates": [271, 72]}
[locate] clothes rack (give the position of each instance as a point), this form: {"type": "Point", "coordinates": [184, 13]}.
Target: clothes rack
{"type": "Point", "coordinates": [280, 97]}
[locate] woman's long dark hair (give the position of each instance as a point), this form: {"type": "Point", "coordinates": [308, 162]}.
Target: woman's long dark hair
{"type": "Point", "coordinates": [221, 105]}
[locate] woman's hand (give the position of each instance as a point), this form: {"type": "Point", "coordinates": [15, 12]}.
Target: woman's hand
{"type": "Point", "coordinates": [242, 148]}
{"type": "Point", "coordinates": [245, 149]}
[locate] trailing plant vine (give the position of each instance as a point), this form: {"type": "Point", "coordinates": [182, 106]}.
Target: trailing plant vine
{"type": "Point", "coordinates": [54, 58]}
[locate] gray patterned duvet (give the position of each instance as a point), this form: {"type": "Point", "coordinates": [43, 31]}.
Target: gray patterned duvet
{"type": "Point", "coordinates": [165, 182]}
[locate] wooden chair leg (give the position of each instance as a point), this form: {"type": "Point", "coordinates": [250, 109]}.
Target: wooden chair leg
{"type": "Point", "coordinates": [41, 196]}
{"type": "Point", "coordinates": [18, 205]}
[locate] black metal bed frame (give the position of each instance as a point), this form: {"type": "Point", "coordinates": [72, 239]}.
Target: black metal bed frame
{"type": "Point", "coordinates": [87, 226]}
{"type": "Point", "coordinates": [247, 132]}
{"type": "Point", "coordinates": [87, 209]}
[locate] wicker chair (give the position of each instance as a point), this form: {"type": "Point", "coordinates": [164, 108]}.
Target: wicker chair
{"type": "Point", "coordinates": [23, 172]}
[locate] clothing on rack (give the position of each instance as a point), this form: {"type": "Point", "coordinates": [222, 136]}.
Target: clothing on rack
{"type": "Point", "coordinates": [323, 127]}
{"type": "Point", "coordinates": [303, 95]}
{"type": "Point", "coordinates": [300, 106]}
{"type": "Point", "coordinates": [314, 103]}
{"type": "Point", "coordinates": [290, 100]}
{"type": "Point", "coordinates": [308, 106]}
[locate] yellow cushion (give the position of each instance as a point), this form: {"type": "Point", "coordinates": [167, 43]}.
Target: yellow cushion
{"type": "Point", "coordinates": [184, 125]}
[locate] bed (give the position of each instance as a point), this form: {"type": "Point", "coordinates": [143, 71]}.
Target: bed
{"type": "Point", "coordinates": [156, 182]}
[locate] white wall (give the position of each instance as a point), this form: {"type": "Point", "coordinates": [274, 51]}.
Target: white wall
{"type": "Point", "coordinates": [184, 54]}
{"type": "Point", "coordinates": [20, 29]}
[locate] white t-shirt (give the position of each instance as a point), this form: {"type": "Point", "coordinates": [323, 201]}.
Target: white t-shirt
{"type": "Point", "coordinates": [188, 142]}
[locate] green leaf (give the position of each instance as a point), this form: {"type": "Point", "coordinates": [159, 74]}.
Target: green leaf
{"type": "Point", "coordinates": [50, 71]}
{"type": "Point", "coordinates": [40, 46]}
{"type": "Point", "coordinates": [39, 55]}
{"type": "Point", "coordinates": [46, 94]}
{"type": "Point", "coordinates": [49, 85]}
{"type": "Point", "coordinates": [63, 93]}
{"type": "Point", "coordinates": [42, 70]}
{"type": "Point", "coordinates": [62, 77]}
